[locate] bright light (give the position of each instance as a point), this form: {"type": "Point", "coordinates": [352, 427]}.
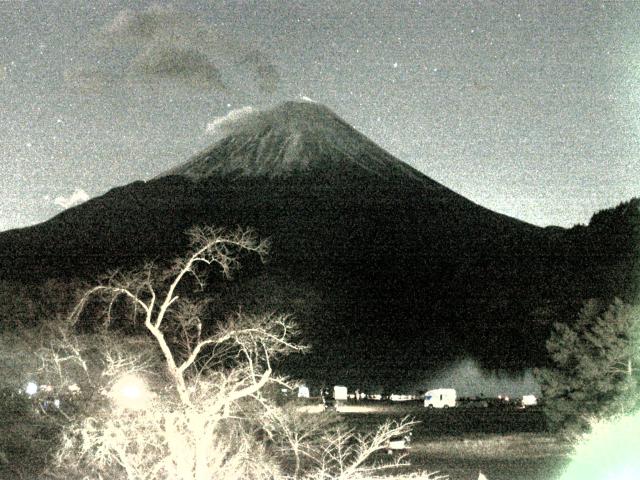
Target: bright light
{"type": "Point", "coordinates": [31, 389]}
{"type": "Point", "coordinates": [131, 392]}
{"type": "Point", "coordinates": [609, 452]}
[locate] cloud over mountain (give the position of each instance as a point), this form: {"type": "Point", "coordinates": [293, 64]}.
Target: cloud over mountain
{"type": "Point", "coordinates": [169, 61]}
{"type": "Point", "coordinates": [76, 198]}
{"type": "Point", "coordinates": [225, 124]}
{"type": "Point", "coordinates": [146, 23]}
{"type": "Point", "coordinates": [161, 42]}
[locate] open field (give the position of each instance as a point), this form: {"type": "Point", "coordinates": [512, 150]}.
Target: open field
{"type": "Point", "coordinates": [500, 457]}
{"type": "Point", "coordinates": [505, 444]}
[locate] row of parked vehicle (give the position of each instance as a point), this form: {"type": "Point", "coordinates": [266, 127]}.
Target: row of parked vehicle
{"type": "Point", "coordinates": [436, 398]}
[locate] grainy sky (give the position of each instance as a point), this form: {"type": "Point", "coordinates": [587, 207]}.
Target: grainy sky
{"type": "Point", "coordinates": [529, 108]}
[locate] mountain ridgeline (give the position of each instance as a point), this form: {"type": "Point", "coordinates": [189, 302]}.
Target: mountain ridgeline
{"type": "Point", "coordinates": [389, 273]}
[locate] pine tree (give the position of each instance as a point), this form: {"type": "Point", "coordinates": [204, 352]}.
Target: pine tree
{"type": "Point", "coordinates": [595, 365]}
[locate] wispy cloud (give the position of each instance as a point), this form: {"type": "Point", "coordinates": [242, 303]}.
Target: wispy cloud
{"type": "Point", "coordinates": [166, 43]}
{"type": "Point", "coordinates": [177, 62]}
{"type": "Point", "coordinates": [227, 123]}
{"type": "Point", "coordinates": [266, 74]}
{"type": "Point", "coordinates": [88, 79]}
{"type": "Point", "coordinates": [76, 198]}
{"type": "Point", "coordinates": [304, 98]}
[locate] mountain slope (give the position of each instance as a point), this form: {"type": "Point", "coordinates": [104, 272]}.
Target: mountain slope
{"type": "Point", "coordinates": [296, 138]}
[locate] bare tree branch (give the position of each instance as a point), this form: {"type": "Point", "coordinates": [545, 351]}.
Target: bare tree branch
{"type": "Point", "coordinates": [200, 423]}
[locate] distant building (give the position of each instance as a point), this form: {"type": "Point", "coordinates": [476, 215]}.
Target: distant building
{"type": "Point", "coordinates": [303, 391]}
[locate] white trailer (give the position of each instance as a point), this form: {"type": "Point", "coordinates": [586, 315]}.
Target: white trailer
{"type": "Point", "coordinates": [303, 391]}
{"type": "Point", "coordinates": [339, 392]}
{"type": "Point", "coordinates": [440, 398]}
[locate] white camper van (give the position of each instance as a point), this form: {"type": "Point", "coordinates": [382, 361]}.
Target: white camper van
{"type": "Point", "coordinates": [440, 398]}
{"type": "Point", "coordinates": [340, 392]}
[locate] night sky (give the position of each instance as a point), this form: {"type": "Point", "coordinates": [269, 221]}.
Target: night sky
{"type": "Point", "coordinates": [531, 109]}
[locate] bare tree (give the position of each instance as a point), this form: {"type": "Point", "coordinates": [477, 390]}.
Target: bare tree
{"type": "Point", "coordinates": [345, 455]}
{"type": "Point", "coordinates": [183, 401]}
{"type": "Point", "coordinates": [164, 309]}
{"type": "Point", "coordinates": [191, 423]}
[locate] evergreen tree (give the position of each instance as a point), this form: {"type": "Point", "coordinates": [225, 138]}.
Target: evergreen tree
{"type": "Point", "coordinates": [595, 365]}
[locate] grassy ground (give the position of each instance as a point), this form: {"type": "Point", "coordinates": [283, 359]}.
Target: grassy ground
{"type": "Point", "coordinates": [504, 444]}
{"type": "Point", "coordinates": [26, 438]}
{"type": "Point", "coordinates": [521, 456]}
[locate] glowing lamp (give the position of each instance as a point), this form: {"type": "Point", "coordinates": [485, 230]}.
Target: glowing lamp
{"type": "Point", "coordinates": [131, 392]}
{"type": "Point", "coordinates": [31, 388]}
